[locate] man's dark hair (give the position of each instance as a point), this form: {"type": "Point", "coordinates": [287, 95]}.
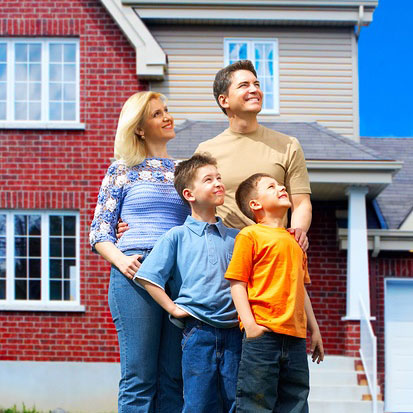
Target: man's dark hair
{"type": "Point", "coordinates": [246, 191]}
{"type": "Point", "coordinates": [223, 78]}
{"type": "Point", "coordinates": [185, 171]}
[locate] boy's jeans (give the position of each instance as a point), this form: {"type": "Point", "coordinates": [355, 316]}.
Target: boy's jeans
{"type": "Point", "coordinates": [150, 353]}
{"type": "Point", "coordinates": [210, 359]}
{"type": "Point", "coordinates": [273, 375]}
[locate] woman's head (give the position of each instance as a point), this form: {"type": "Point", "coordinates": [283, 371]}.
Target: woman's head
{"type": "Point", "coordinates": [144, 120]}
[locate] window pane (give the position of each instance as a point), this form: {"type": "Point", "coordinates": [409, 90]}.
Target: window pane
{"type": "Point", "coordinates": [34, 268]}
{"type": "Point", "coordinates": [55, 268]}
{"type": "Point", "coordinates": [3, 111]}
{"type": "Point", "coordinates": [69, 91]}
{"type": "Point", "coordinates": [3, 52]}
{"type": "Point", "coordinates": [69, 247]}
{"type": "Point", "coordinates": [20, 51]}
{"type": "Point", "coordinates": [20, 268]}
{"type": "Point", "coordinates": [20, 91]}
{"type": "Point", "coordinates": [268, 101]}
{"type": "Point", "coordinates": [55, 245]}
{"type": "Point", "coordinates": [69, 111]}
{"type": "Point", "coordinates": [69, 73]}
{"type": "Point", "coordinates": [55, 112]}
{"type": "Point", "coordinates": [2, 289]}
{"type": "Point", "coordinates": [2, 246]}
{"type": "Point", "coordinates": [55, 290]}
{"type": "Point", "coordinates": [70, 53]}
{"type": "Point", "coordinates": [238, 51]}
{"type": "Point", "coordinates": [35, 72]}
{"type": "Point", "coordinates": [20, 291]}
{"type": "Point", "coordinates": [3, 72]}
{"type": "Point", "coordinates": [55, 51]}
{"type": "Point", "coordinates": [2, 268]}
{"type": "Point", "coordinates": [67, 265]}
{"type": "Point", "coordinates": [35, 51]}
{"type": "Point", "coordinates": [66, 290]}
{"type": "Point", "coordinates": [2, 224]}
{"type": "Point", "coordinates": [20, 72]}
{"type": "Point", "coordinates": [20, 246]}
{"type": "Point", "coordinates": [34, 224]}
{"type": "Point", "coordinates": [20, 111]}
{"type": "Point", "coordinates": [3, 91]}
{"type": "Point", "coordinates": [55, 91]}
{"type": "Point", "coordinates": [34, 111]}
{"type": "Point", "coordinates": [69, 225]}
{"type": "Point", "coordinates": [55, 72]}
{"type": "Point", "coordinates": [34, 290]}
{"type": "Point", "coordinates": [55, 225]}
{"type": "Point", "coordinates": [20, 224]}
{"type": "Point", "coordinates": [35, 91]}
{"type": "Point", "coordinates": [34, 247]}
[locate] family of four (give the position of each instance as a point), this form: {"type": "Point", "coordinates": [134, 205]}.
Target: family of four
{"type": "Point", "coordinates": [209, 318]}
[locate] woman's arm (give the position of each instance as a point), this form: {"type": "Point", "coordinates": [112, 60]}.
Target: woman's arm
{"type": "Point", "coordinates": [240, 298]}
{"type": "Point", "coordinates": [127, 265]}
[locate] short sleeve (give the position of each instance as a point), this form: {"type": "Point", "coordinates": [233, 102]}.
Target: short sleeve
{"type": "Point", "coordinates": [240, 267]}
{"type": "Point", "coordinates": [296, 177]}
{"type": "Point", "coordinates": [158, 265]}
{"type": "Point", "coordinates": [107, 211]}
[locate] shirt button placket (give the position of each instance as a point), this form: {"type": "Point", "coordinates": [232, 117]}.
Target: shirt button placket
{"type": "Point", "coordinates": [212, 256]}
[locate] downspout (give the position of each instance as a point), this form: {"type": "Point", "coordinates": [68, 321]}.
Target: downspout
{"type": "Point", "coordinates": [360, 21]}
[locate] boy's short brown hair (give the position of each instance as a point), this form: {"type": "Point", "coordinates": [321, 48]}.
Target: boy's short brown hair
{"type": "Point", "coordinates": [185, 171]}
{"type": "Point", "coordinates": [246, 191]}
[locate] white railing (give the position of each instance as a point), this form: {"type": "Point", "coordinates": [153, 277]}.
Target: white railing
{"type": "Point", "coordinates": [368, 352]}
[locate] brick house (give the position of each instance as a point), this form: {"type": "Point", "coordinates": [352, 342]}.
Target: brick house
{"type": "Point", "coordinates": [65, 71]}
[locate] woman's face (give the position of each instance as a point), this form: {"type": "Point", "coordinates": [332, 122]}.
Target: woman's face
{"type": "Point", "coordinates": [159, 125]}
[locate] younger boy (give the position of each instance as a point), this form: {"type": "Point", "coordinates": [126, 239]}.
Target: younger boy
{"type": "Point", "coordinates": [192, 259]}
{"type": "Point", "coordinates": [267, 273]}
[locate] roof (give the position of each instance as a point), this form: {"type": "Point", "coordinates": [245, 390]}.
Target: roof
{"type": "Point", "coordinates": [396, 201]}
{"type": "Point", "coordinates": [320, 143]}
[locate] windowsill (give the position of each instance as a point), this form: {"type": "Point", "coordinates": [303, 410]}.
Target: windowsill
{"type": "Point", "coordinates": [42, 125]}
{"type": "Point", "coordinates": [57, 307]}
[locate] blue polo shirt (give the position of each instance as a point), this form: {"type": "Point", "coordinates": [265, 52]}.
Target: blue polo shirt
{"type": "Point", "coordinates": [192, 259]}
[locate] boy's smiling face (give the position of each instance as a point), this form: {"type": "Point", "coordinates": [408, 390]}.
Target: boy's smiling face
{"type": "Point", "coordinates": [207, 188]}
{"type": "Point", "coordinates": [271, 195]}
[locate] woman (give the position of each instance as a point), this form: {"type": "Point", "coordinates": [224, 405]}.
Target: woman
{"type": "Point", "coordinates": [138, 187]}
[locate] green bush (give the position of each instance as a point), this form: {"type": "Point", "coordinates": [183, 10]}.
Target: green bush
{"type": "Point", "coordinates": [24, 409]}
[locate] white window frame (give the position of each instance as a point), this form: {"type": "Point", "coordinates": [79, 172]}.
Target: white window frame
{"type": "Point", "coordinates": [44, 304]}
{"type": "Point", "coordinates": [44, 122]}
{"type": "Point", "coordinates": [251, 56]}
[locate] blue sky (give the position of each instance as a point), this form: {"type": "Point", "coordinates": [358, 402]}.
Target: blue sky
{"type": "Point", "coordinates": [386, 71]}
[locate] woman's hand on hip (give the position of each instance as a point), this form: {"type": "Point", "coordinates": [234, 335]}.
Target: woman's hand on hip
{"type": "Point", "coordinates": [129, 265]}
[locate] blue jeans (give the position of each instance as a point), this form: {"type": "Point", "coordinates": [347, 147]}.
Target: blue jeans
{"type": "Point", "coordinates": [273, 375]}
{"type": "Point", "coordinates": [150, 353]}
{"type": "Point", "coordinates": [210, 359]}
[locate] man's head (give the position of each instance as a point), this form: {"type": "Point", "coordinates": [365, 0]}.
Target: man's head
{"type": "Point", "coordinates": [261, 194]}
{"type": "Point", "coordinates": [236, 88]}
{"type": "Point", "coordinates": [198, 180]}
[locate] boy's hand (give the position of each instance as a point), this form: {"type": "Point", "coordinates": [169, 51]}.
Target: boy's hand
{"type": "Point", "coordinates": [121, 228]}
{"type": "Point", "coordinates": [301, 237]}
{"type": "Point", "coordinates": [256, 330]}
{"type": "Point", "coordinates": [316, 347]}
{"type": "Point", "coordinates": [178, 312]}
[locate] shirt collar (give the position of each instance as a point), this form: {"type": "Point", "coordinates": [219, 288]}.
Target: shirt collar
{"type": "Point", "coordinates": [198, 227]}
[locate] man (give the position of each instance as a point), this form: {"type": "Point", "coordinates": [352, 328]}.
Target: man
{"type": "Point", "coordinates": [246, 148]}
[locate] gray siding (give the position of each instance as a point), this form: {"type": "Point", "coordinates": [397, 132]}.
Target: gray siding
{"type": "Point", "coordinates": [315, 68]}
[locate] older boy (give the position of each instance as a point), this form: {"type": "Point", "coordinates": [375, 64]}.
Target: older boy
{"type": "Point", "coordinates": [193, 259]}
{"type": "Point", "coordinates": [267, 273]}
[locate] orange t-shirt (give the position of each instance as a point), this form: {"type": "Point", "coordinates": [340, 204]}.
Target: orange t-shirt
{"type": "Point", "coordinates": [274, 267]}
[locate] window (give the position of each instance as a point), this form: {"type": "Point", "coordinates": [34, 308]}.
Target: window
{"type": "Point", "coordinates": [264, 55]}
{"type": "Point", "coordinates": [39, 260]}
{"type": "Point", "coordinates": [39, 82]}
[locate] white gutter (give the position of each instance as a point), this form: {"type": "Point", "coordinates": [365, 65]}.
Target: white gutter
{"type": "Point", "coordinates": [360, 22]}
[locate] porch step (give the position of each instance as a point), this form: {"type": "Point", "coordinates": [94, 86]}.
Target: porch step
{"type": "Point", "coordinates": [334, 387]}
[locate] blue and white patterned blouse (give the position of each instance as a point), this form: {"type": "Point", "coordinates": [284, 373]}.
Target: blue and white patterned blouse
{"type": "Point", "coordinates": [144, 197]}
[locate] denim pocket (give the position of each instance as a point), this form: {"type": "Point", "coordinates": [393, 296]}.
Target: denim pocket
{"type": "Point", "coordinates": [255, 338]}
{"type": "Point", "coordinates": [186, 335]}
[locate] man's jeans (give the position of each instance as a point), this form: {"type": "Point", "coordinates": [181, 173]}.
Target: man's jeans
{"type": "Point", "coordinates": [210, 359]}
{"type": "Point", "coordinates": [273, 375]}
{"type": "Point", "coordinates": [150, 353]}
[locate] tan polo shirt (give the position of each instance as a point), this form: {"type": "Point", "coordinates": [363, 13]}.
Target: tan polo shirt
{"type": "Point", "coordinates": [241, 155]}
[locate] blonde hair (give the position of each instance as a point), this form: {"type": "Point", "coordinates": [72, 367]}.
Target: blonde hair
{"type": "Point", "coordinates": [129, 146]}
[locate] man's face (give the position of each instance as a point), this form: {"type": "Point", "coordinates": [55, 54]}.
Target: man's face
{"type": "Point", "coordinates": [244, 94]}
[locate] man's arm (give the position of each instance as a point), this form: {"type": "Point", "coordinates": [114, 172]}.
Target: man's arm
{"type": "Point", "coordinates": [301, 214]}
{"type": "Point", "coordinates": [240, 298]}
{"type": "Point", "coordinates": [316, 345]}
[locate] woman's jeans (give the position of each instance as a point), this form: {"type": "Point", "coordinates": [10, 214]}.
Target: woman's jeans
{"type": "Point", "coordinates": [273, 375]}
{"type": "Point", "coordinates": [150, 350]}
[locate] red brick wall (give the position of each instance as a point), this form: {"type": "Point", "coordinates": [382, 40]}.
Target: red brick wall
{"type": "Point", "coordinates": [64, 169]}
